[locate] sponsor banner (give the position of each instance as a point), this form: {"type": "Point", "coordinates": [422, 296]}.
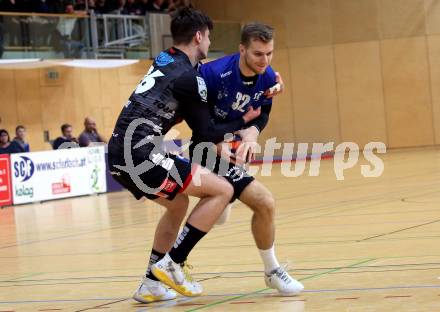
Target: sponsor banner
{"type": "Point", "coordinates": [57, 174]}
{"type": "Point", "coordinates": [5, 181]}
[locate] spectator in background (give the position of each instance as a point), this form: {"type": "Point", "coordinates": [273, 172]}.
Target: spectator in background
{"type": "Point", "coordinates": [102, 7]}
{"type": "Point", "coordinates": [20, 135]}
{"type": "Point", "coordinates": [142, 6]}
{"type": "Point", "coordinates": [6, 146]}
{"type": "Point", "coordinates": [62, 38]}
{"type": "Point", "coordinates": [8, 6]}
{"type": "Point", "coordinates": [80, 5]}
{"type": "Point", "coordinates": [5, 6]}
{"type": "Point", "coordinates": [91, 5]}
{"type": "Point", "coordinates": [156, 6]}
{"type": "Point", "coordinates": [116, 6]}
{"type": "Point", "coordinates": [66, 137]}
{"type": "Point", "coordinates": [46, 6]}
{"type": "Point", "coordinates": [131, 8]}
{"type": "Point", "coordinates": [90, 135]}
{"type": "Point", "coordinates": [175, 5]}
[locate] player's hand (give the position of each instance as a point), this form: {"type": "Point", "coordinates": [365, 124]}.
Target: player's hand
{"type": "Point", "coordinates": [224, 151]}
{"type": "Point", "coordinates": [248, 147]}
{"type": "Point", "coordinates": [245, 153]}
{"type": "Point", "coordinates": [251, 114]}
{"type": "Point", "coordinates": [277, 88]}
{"type": "Point", "coordinates": [249, 134]}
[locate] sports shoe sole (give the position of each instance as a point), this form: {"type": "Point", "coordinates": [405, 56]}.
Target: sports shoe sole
{"type": "Point", "coordinates": [150, 298]}
{"type": "Point", "coordinates": [163, 277]}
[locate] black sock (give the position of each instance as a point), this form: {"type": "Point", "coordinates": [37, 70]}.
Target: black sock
{"type": "Point", "coordinates": [186, 241]}
{"type": "Point", "coordinates": [154, 257]}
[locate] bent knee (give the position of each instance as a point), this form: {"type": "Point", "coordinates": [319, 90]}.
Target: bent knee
{"type": "Point", "coordinates": [179, 204]}
{"type": "Point", "coordinates": [227, 190]}
{"type": "Point", "coordinates": [265, 205]}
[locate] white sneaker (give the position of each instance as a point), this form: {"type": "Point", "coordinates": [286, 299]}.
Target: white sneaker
{"type": "Point", "coordinates": [225, 215]}
{"type": "Point", "coordinates": [176, 277]}
{"type": "Point", "coordinates": [280, 280]}
{"type": "Point", "coordinates": [151, 291]}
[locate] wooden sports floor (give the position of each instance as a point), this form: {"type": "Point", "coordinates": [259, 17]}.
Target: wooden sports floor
{"type": "Point", "coordinates": [362, 244]}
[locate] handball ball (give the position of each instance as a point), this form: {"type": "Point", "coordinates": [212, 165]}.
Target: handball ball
{"type": "Point", "coordinates": [235, 143]}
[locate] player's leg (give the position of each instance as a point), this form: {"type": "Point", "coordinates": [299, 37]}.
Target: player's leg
{"type": "Point", "coordinates": [169, 224]}
{"type": "Point", "coordinates": [262, 203]}
{"type": "Point", "coordinates": [225, 215]}
{"type": "Point", "coordinates": [201, 157]}
{"type": "Point", "coordinates": [214, 193]}
{"type": "Point", "coordinates": [151, 289]}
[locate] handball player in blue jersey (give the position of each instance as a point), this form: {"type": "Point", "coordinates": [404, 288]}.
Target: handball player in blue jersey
{"type": "Point", "coordinates": [235, 83]}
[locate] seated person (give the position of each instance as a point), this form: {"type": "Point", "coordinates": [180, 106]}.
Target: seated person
{"type": "Point", "coordinates": [6, 146]}
{"type": "Point", "coordinates": [66, 137]}
{"type": "Point", "coordinates": [20, 135]}
{"type": "Point", "coordinates": [90, 135]}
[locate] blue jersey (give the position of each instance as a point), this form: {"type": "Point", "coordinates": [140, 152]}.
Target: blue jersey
{"type": "Point", "coordinates": [226, 90]}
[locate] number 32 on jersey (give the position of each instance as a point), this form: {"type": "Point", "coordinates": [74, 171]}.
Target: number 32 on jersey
{"type": "Point", "coordinates": [241, 101]}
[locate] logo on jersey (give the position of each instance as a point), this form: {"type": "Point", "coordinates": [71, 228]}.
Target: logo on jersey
{"type": "Point", "coordinates": [163, 161]}
{"type": "Point", "coordinates": [235, 173]}
{"type": "Point", "coordinates": [223, 75]}
{"type": "Point", "coordinates": [220, 113]}
{"type": "Point", "coordinates": [168, 186]}
{"type": "Point", "coordinates": [258, 95]}
{"type": "Point", "coordinates": [164, 59]}
{"type": "Point", "coordinates": [203, 91]}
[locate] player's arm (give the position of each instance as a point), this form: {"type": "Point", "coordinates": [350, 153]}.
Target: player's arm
{"type": "Point", "coordinates": [198, 118]}
{"type": "Point", "coordinates": [261, 121]}
{"type": "Point", "coordinates": [250, 134]}
{"type": "Point", "coordinates": [253, 129]}
{"type": "Point", "coordinates": [192, 94]}
{"type": "Point", "coordinates": [277, 88]}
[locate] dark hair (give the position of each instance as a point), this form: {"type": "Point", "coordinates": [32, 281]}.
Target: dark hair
{"type": "Point", "coordinates": [64, 127]}
{"type": "Point", "coordinates": [5, 131]}
{"type": "Point", "coordinates": [186, 22]}
{"type": "Point", "coordinates": [256, 31]}
{"type": "Point", "coordinates": [19, 127]}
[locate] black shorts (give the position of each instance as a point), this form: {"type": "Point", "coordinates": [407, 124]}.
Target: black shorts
{"type": "Point", "coordinates": [170, 176]}
{"type": "Point", "coordinates": [236, 175]}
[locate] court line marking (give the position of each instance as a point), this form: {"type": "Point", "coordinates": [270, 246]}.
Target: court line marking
{"type": "Point", "coordinates": [100, 306]}
{"type": "Point", "coordinates": [60, 300]}
{"type": "Point", "coordinates": [304, 213]}
{"type": "Point", "coordinates": [235, 274]}
{"type": "Point", "coordinates": [168, 304]}
{"type": "Point", "coordinates": [401, 230]}
{"type": "Point", "coordinates": [265, 289]}
{"type": "Point", "coordinates": [223, 295]}
{"type": "Point", "coordinates": [17, 279]}
{"type": "Point", "coordinates": [74, 234]}
{"type": "Point", "coordinates": [304, 210]}
{"type": "Point", "coordinates": [230, 264]}
{"type": "Point", "coordinates": [142, 222]}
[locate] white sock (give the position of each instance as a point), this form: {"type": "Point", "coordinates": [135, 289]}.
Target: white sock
{"type": "Point", "coordinates": [269, 260]}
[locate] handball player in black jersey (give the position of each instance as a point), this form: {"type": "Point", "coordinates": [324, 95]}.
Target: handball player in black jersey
{"type": "Point", "coordinates": [172, 90]}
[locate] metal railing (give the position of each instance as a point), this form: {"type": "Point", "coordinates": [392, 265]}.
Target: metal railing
{"type": "Point", "coordinates": [113, 35]}
{"type": "Point", "coordinates": [56, 36]}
